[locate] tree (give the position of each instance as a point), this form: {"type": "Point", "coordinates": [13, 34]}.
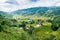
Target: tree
{"type": "Point", "coordinates": [1, 29]}
{"type": "Point", "coordinates": [54, 27]}
{"type": "Point", "coordinates": [56, 23]}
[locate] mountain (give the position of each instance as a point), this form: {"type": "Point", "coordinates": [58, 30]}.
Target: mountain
{"type": "Point", "coordinates": [6, 14]}
{"type": "Point", "coordinates": [31, 11]}
{"type": "Point", "coordinates": [37, 11]}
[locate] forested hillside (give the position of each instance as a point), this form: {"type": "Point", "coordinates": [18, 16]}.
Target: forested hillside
{"type": "Point", "coordinates": [38, 26]}
{"type": "Point", "coordinates": [38, 11]}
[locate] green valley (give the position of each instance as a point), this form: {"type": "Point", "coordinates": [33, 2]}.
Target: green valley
{"type": "Point", "coordinates": [36, 24]}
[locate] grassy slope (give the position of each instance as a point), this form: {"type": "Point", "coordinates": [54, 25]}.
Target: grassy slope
{"type": "Point", "coordinates": [41, 33]}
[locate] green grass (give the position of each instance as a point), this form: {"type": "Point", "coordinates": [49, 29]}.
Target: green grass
{"type": "Point", "coordinates": [10, 30]}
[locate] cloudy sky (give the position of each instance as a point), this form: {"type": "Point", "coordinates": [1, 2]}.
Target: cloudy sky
{"type": "Point", "coordinates": [12, 5]}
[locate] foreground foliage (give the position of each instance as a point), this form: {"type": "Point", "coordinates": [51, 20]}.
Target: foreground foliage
{"type": "Point", "coordinates": [11, 29]}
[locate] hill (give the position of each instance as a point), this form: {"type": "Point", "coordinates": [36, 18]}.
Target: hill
{"type": "Point", "coordinates": [38, 11]}
{"type": "Point", "coordinates": [44, 27]}
{"type": "Point", "coordinates": [6, 14]}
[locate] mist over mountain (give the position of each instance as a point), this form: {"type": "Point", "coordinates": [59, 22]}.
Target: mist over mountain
{"type": "Point", "coordinates": [38, 11]}
{"type": "Point", "coordinates": [6, 14]}
{"type": "Point", "coordinates": [12, 5]}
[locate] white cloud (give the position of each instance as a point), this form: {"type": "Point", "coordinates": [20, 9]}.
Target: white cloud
{"type": "Point", "coordinates": [26, 4]}
{"type": "Point", "coordinates": [2, 1]}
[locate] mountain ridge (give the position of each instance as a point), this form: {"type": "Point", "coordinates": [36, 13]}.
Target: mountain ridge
{"type": "Point", "coordinates": [37, 11]}
{"type": "Point", "coordinates": [32, 11]}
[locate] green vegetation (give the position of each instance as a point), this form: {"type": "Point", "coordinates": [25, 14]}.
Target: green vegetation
{"type": "Point", "coordinates": [45, 27]}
